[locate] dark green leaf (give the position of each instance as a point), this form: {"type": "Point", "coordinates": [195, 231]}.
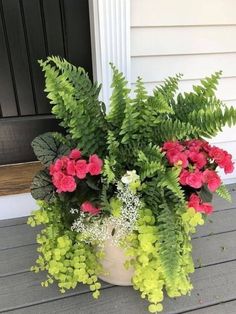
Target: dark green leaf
{"type": "Point", "coordinates": [92, 183]}
{"type": "Point", "coordinates": [205, 194]}
{"type": "Point", "coordinates": [47, 149]}
{"type": "Point", "coordinates": [42, 188]}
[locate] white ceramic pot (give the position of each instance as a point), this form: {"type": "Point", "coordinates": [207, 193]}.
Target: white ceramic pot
{"type": "Point", "coordinates": [113, 265]}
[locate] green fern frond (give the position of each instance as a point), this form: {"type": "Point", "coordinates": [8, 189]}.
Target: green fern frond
{"type": "Point", "coordinates": [119, 100]}
{"type": "Point", "coordinates": [209, 122]}
{"type": "Point", "coordinates": [208, 85]}
{"type": "Point", "coordinates": [223, 192]}
{"type": "Point", "coordinates": [76, 104]}
{"type": "Point", "coordinates": [172, 130]}
{"type": "Point", "coordinates": [170, 245]}
{"type": "Point", "coordinates": [171, 182]}
{"type": "Point", "coordinates": [169, 87]}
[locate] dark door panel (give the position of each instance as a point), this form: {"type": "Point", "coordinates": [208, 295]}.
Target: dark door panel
{"type": "Point", "coordinates": [17, 134]}
{"type": "Point", "coordinates": [31, 30]}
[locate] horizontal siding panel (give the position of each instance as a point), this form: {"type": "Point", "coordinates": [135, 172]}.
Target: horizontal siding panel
{"type": "Point", "coordinates": [226, 88]}
{"type": "Point", "coordinates": [189, 12]}
{"type": "Point", "coordinates": [157, 68]}
{"type": "Point", "coordinates": [182, 40]}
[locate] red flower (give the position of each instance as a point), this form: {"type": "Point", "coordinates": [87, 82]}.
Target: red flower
{"type": "Point", "coordinates": [218, 155]}
{"type": "Point", "coordinates": [81, 168]}
{"type": "Point", "coordinates": [58, 165]}
{"type": "Point", "coordinates": [95, 165]}
{"type": "Point", "coordinates": [228, 166]}
{"type": "Point", "coordinates": [75, 154]}
{"type": "Point", "coordinates": [183, 176]}
{"type": "Point", "coordinates": [67, 184]}
{"type": "Point", "coordinates": [88, 207]}
{"type": "Point", "coordinates": [173, 145]}
{"type": "Point", "coordinates": [198, 158]}
{"type": "Point", "coordinates": [195, 145]}
{"type": "Point", "coordinates": [70, 168]}
{"type": "Point", "coordinates": [194, 179]}
{"type": "Point", "coordinates": [211, 178]}
{"type": "Point", "coordinates": [196, 203]}
{"type": "Point", "coordinates": [179, 159]}
{"type": "Point", "coordinates": [207, 208]}
{"type": "Point", "coordinates": [56, 179]}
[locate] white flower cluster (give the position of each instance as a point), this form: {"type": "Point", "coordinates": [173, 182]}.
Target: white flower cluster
{"type": "Point", "coordinates": [111, 228]}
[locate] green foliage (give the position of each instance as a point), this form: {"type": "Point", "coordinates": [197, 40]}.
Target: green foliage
{"type": "Point", "coordinates": [42, 187]}
{"type": "Point", "coordinates": [205, 194]}
{"type": "Point", "coordinates": [47, 148]}
{"type": "Point", "coordinates": [130, 137]}
{"type": "Point", "coordinates": [223, 192]}
{"type": "Point", "coordinates": [76, 104]}
{"type": "Point", "coordinates": [119, 100]}
{"type": "Point", "coordinates": [67, 260]}
{"type": "Point", "coordinates": [161, 252]}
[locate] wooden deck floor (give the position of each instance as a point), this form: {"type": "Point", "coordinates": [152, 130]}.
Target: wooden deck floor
{"type": "Point", "coordinates": [214, 279]}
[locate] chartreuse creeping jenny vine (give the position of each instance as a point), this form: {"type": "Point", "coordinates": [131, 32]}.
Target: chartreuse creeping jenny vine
{"type": "Point", "coordinates": [141, 175]}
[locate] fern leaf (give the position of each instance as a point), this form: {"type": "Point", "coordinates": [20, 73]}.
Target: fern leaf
{"type": "Point", "coordinates": [224, 193]}
{"type": "Point", "coordinates": [119, 100]}
{"type": "Point", "coordinates": [76, 104]}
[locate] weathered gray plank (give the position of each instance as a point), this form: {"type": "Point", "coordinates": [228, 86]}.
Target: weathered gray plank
{"type": "Point", "coordinates": [218, 222]}
{"type": "Point", "coordinates": [13, 222]}
{"type": "Point", "coordinates": [25, 289]}
{"type": "Point", "coordinates": [213, 284]}
{"type": "Point", "coordinates": [214, 249]}
{"type": "Point", "coordinates": [222, 308]}
{"type": "Point", "coordinates": [206, 251]}
{"type": "Point", "coordinates": [17, 260]}
{"type": "Point", "coordinates": [14, 236]}
{"type": "Point", "coordinates": [18, 235]}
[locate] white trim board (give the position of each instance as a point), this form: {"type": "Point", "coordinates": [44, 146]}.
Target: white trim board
{"type": "Point", "coordinates": [18, 205]}
{"type": "Point", "coordinates": [110, 41]}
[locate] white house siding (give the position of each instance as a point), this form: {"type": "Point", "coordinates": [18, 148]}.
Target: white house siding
{"type": "Point", "coordinates": [193, 37]}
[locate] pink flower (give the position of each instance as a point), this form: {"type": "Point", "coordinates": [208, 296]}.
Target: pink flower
{"type": "Point", "coordinates": [95, 165]}
{"type": "Point", "coordinates": [211, 178]}
{"type": "Point", "coordinates": [58, 165]}
{"type": "Point", "coordinates": [70, 168]}
{"type": "Point", "coordinates": [218, 155]}
{"type": "Point", "coordinates": [52, 169]}
{"type": "Point", "coordinates": [176, 157]}
{"type": "Point", "coordinates": [183, 176]}
{"type": "Point", "coordinates": [67, 184]}
{"type": "Point", "coordinates": [207, 208]}
{"type": "Point", "coordinates": [229, 165]}
{"type": "Point", "coordinates": [88, 207]}
{"type": "Point", "coordinates": [198, 158]}
{"type": "Point", "coordinates": [81, 168]}
{"type": "Point", "coordinates": [194, 201]}
{"type": "Point", "coordinates": [194, 179]}
{"type": "Point", "coordinates": [172, 145]}
{"type": "Point", "coordinates": [75, 154]}
{"type": "Point", "coordinates": [194, 145]}
{"type": "Point", "coordinates": [57, 177]}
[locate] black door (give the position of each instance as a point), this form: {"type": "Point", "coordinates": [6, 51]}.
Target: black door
{"type": "Point", "coordinates": [31, 30]}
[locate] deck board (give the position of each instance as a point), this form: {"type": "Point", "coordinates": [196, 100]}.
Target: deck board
{"type": "Point", "coordinates": [214, 252]}
{"type": "Point", "coordinates": [209, 250]}
{"type": "Point", "coordinates": [213, 284]}
{"type": "Point", "coordinates": [21, 234]}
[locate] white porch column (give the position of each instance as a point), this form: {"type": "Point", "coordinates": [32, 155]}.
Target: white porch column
{"type": "Point", "coordinates": [110, 36]}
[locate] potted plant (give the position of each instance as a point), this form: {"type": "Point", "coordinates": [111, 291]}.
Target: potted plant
{"type": "Point", "coordinates": [128, 186]}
